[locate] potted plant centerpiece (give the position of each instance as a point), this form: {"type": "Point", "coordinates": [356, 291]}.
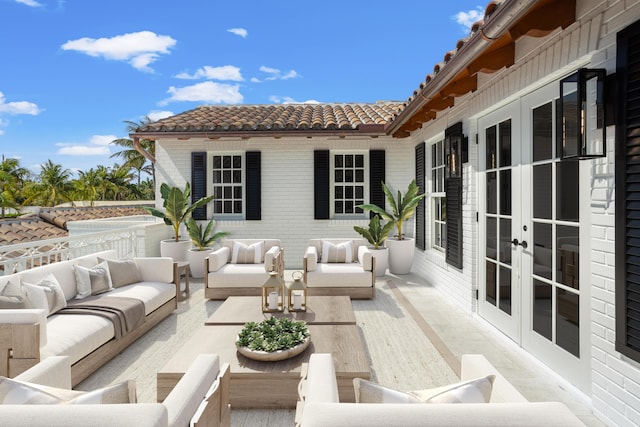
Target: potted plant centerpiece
{"type": "Point", "coordinates": [276, 338]}
{"type": "Point", "coordinates": [376, 235]}
{"type": "Point", "coordinates": [203, 238]}
{"type": "Point", "coordinates": [177, 211]}
{"type": "Point", "coordinates": [401, 248]}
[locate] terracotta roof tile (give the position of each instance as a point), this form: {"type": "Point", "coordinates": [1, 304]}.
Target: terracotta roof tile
{"type": "Point", "coordinates": [276, 118]}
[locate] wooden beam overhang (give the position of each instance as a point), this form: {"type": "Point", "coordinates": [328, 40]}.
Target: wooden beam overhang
{"type": "Point", "coordinates": [491, 52]}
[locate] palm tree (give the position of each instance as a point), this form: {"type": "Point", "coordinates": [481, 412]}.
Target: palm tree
{"type": "Point", "coordinates": [52, 187]}
{"type": "Point", "coordinates": [89, 185]}
{"type": "Point", "coordinates": [132, 158]}
{"type": "Point", "coordinates": [119, 182]}
{"type": "Point", "coordinates": [12, 178]}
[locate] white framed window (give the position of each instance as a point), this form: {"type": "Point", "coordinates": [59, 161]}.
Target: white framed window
{"type": "Point", "coordinates": [438, 198]}
{"type": "Point", "coordinates": [349, 183]}
{"type": "Point", "coordinates": [227, 183]}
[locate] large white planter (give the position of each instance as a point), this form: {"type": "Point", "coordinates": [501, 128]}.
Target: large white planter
{"type": "Point", "coordinates": [176, 250]}
{"type": "Point", "coordinates": [400, 255]}
{"type": "Point", "coordinates": [196, 261]}
{"type": "Point", "coordinates": [382, 260]}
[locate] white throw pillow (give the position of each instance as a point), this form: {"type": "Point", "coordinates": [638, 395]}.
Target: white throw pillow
{"type": "Point", "coordinates": [92, 281]}
{"type": "Point", "coordinates": [473, 391]}
{"type": "Point", "coordinates": [14, 392]}
{"type": "Point", "coordinates": [37, 296]}
{"type": "Point", "coordinates": [14, 296]}
{"type": "Point", "coordinates": [247, 254]}
{"type": "Point", "coordinates": [332, 253]}
{"type": "Point", "coordinates": [369, 392]}
{"type": "Point", "coordinates": [53, 293]}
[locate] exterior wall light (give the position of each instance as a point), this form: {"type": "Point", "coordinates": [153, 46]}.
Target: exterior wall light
{"type": "Point", "coordinates": [582, 115]}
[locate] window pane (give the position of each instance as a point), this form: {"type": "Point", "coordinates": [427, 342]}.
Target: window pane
{"type": "Point", "coordinates": [217, 177]}
{"type": "Point", "coordinates": [227, 192]}
{"type": "Point", "coordinates": [434, 158]}
{"type": "Point", "coordinates": [359, 191]}
{"type": "Point", "coordinates": [542, 314]}
{"type": "Point", "coordinates": [542, 191]}
{"type": "Point", "coordinates": [237, 207]}
{"type": "Point", "coordinates": [359, 175]}
{"type": "Point", "coordinates": [348, 161]}
{"type": "Point", "coordinates": [348, 192]}
{"type": "Point", "coordinates": [338, 161]}
{"type": "Point", "coordinates": [217, 205]}
{"type": "Point", "coordinates": [237, 192]}
{"type": "Point", "coordinates": [348, 175]}
{"type": "Point", "coordinates": [237, 162]}
{"type": "Point", "coordinates": [568, 256]}
{"type": "Point", "coordinates": [237, 176]}
{"type": "Point", "coordinates": [505, 192]}
{"type": "Point", "coordinates": [491, 160]}
{"type": "Point", "coordinates": [505, 143]}
{"type": "Point", "coordinates": [217, 162]}
{"type": "Point", "coordinates": [217, 192]}
{"type": "Point", "coordinates": [339, 192]}
{"type": "Point", "coordinates": [338, 177]}
{"type": "Point", "coordinates": [226, 162]}
{"type": "Point", "coordinates": [542, 132]}
{"type": "Point", "coordinates": [348, 206]}
{"type": "Point", "coordinates": [338, 207]}
{"type": "Point", "coordinates": [568, 317]}
{"type": "Point", "coordinates": [359, 161]}
{"type": "Point", "coordinates": [228, 206]}
{"type": "Point", "coordinates": [567, 194]}
{"type": "Point", "coordinates": [226, 176]}
{"type": "Point", "coordinates": [542, 250]}
{"type": "Point", "coordinates": [490, 285]}
{"type": "Point", "coordinates": [492, 193]}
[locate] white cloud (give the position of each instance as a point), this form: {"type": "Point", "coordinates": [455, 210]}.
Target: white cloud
{"type": "Point", "coordinates": [18, 107]}
{"type": "Point", "coordinates": [239, 32]}
{"type": "Point", "coordinates": [156, 115]}
{"type": "Point", "coordinates": [468, 18]}
{"type": "Point", "coordinates": [98, 145]}
{"type": "Point", "coordinates": [139, 49]}
{"type": "Point", "coordinates": [211, 92]}
{"type": "Point", "coordinates": [275, 74]}
{"type": "Point", "coordinates": [225, 72]}
{"type": "Point", "coordinates": [30, 3]}
{"type": "Point", "coordinates": [289, 100]}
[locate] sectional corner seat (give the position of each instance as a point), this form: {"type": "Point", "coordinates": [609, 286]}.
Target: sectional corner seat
{"type": "Point", "coordinates": [354, 277]}
{"type": "Point", "coordinates": [30, 335]}
{"type": "Point", "coordinates": [241, 266]}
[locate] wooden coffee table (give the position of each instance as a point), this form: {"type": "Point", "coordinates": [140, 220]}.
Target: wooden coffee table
{"type": "Point", "coordinates": [257, 384]}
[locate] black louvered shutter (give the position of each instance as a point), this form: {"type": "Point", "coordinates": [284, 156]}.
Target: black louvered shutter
{"type": "Point", "coordinates": [627, 223]}
{"type": "Point", "coordinates": [377, 173]}
{"type": "Point", "coordinates": [420, 210]}
{"type": "Point", "coordinates": [453, 189]}
{"type": "Point", "coordinates": [254, 185]}
{"type": "Point", "coordinates": [321, 184]}
{"type": "Point", "coordinates": [199, 183]}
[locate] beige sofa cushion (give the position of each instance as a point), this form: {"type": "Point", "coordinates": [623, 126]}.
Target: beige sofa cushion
{"type": "Point", "coordinates": [123, 271]}
{"type": "Point", "coordinates": [75, 335]}
{"type": "Point", "coordinates": [152, 294]}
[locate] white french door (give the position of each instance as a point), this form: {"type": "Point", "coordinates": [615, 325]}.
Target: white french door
{"type": "Point", "coordinates": [532, 234]}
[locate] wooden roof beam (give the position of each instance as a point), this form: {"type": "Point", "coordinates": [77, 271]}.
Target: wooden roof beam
{"type": "Point", "coordinates": [493, 60]}
{"type": "Point", "coordinates": [460, 86]}
{"type": "Point", "coordinates": [545, 18]}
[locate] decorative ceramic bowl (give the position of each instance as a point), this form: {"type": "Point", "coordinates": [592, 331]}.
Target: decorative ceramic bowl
{"type": "Point", "coordinates": [273, 356]}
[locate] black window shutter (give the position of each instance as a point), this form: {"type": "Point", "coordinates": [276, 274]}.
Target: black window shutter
{"type": "Point", "coordinates": [376, 178]}
{"type": "Point", "coordinates": [627, 222]}
{"type": "Point", "coordinates": [321, 184]}
{"type": "Point", "coordinates": [453, 190]}
{"type": "Point", "coordinates": [199, 183]}
{"type": "Point", "coordinates": [254, 185]}
{"type": "Point", "coordinates": [420, 210]}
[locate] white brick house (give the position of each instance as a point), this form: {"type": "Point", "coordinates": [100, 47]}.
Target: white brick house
{"type": "Point", "coordinates": [483, 135]}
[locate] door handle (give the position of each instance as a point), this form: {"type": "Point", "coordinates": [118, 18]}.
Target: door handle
{"type": "Point", "coordinates": [524, 244]}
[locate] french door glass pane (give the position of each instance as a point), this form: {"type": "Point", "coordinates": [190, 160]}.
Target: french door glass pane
{"type": "Point", "coordinates": [542, 250]}
{"type": "Point", "coordinates": [542, 132]}
{"type": "Point", "coordinates": [542, 312]}
{"type": "Point", "coordinates": [542, 194]}
{"type": "Point", "coordinates": [492, 193]}
{"type": "Point", "coordinates": [505, 192]}
{"type": "Point", "coordinates": [568, 256]}
{"type": "Point", "coordinates": [490, 294]}
{"type": "Point", "coordinates": [492, 238]}
{"type": "Point", "coordinates": [505, 241]}
{"type": "Point", "coordinates": [505, 289]}
{"type": "Point", "coordinates": [491, 154]}
{"type": "Point", "coordinates": [567, 194]}
{"type": "Point", "coordinates": [505, 143]}
{"type": "Point", "coordinates": [568, 316]}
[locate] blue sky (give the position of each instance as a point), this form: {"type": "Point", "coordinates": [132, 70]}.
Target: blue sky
{"type": "Point", "coordinates": [73, 71]}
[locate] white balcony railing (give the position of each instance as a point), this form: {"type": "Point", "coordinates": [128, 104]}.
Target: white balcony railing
{"type": "Point", "coordinates": [127, 242]}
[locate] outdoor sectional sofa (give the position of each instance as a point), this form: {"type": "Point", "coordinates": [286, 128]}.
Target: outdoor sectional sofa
{"type": "Point", "coordinates": [199, 399]}
{"type": "Point", "coordinates": [89, 338]}
{"type": "Point", "coordinates": [319, 403]}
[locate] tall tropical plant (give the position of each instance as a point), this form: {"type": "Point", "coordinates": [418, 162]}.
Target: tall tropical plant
{"type": "Point", "coordinates": [177, 209]}
{"type": "Point", "coordinates": [402, 208]}
{"type": "Point", "coordinates": [131, 157]}
{"type": "Point", "coordinates": [12, 178]}
{"type": "Point", "coordinates": [52, 187]}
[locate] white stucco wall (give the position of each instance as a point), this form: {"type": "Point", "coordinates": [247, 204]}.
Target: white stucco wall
{"type": "Point", "coordinates": [287, 184]}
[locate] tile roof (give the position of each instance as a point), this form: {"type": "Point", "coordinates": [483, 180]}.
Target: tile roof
{"type": "Point", "coordinates": [278, 118]}
{"type": "Point", "coordinates": [51, 223]}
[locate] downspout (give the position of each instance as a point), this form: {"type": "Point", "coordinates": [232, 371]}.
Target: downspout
{"type": "Point", "coordinates": [497, 24]}
{"type": "Point", "coordinates": [139, 149]}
